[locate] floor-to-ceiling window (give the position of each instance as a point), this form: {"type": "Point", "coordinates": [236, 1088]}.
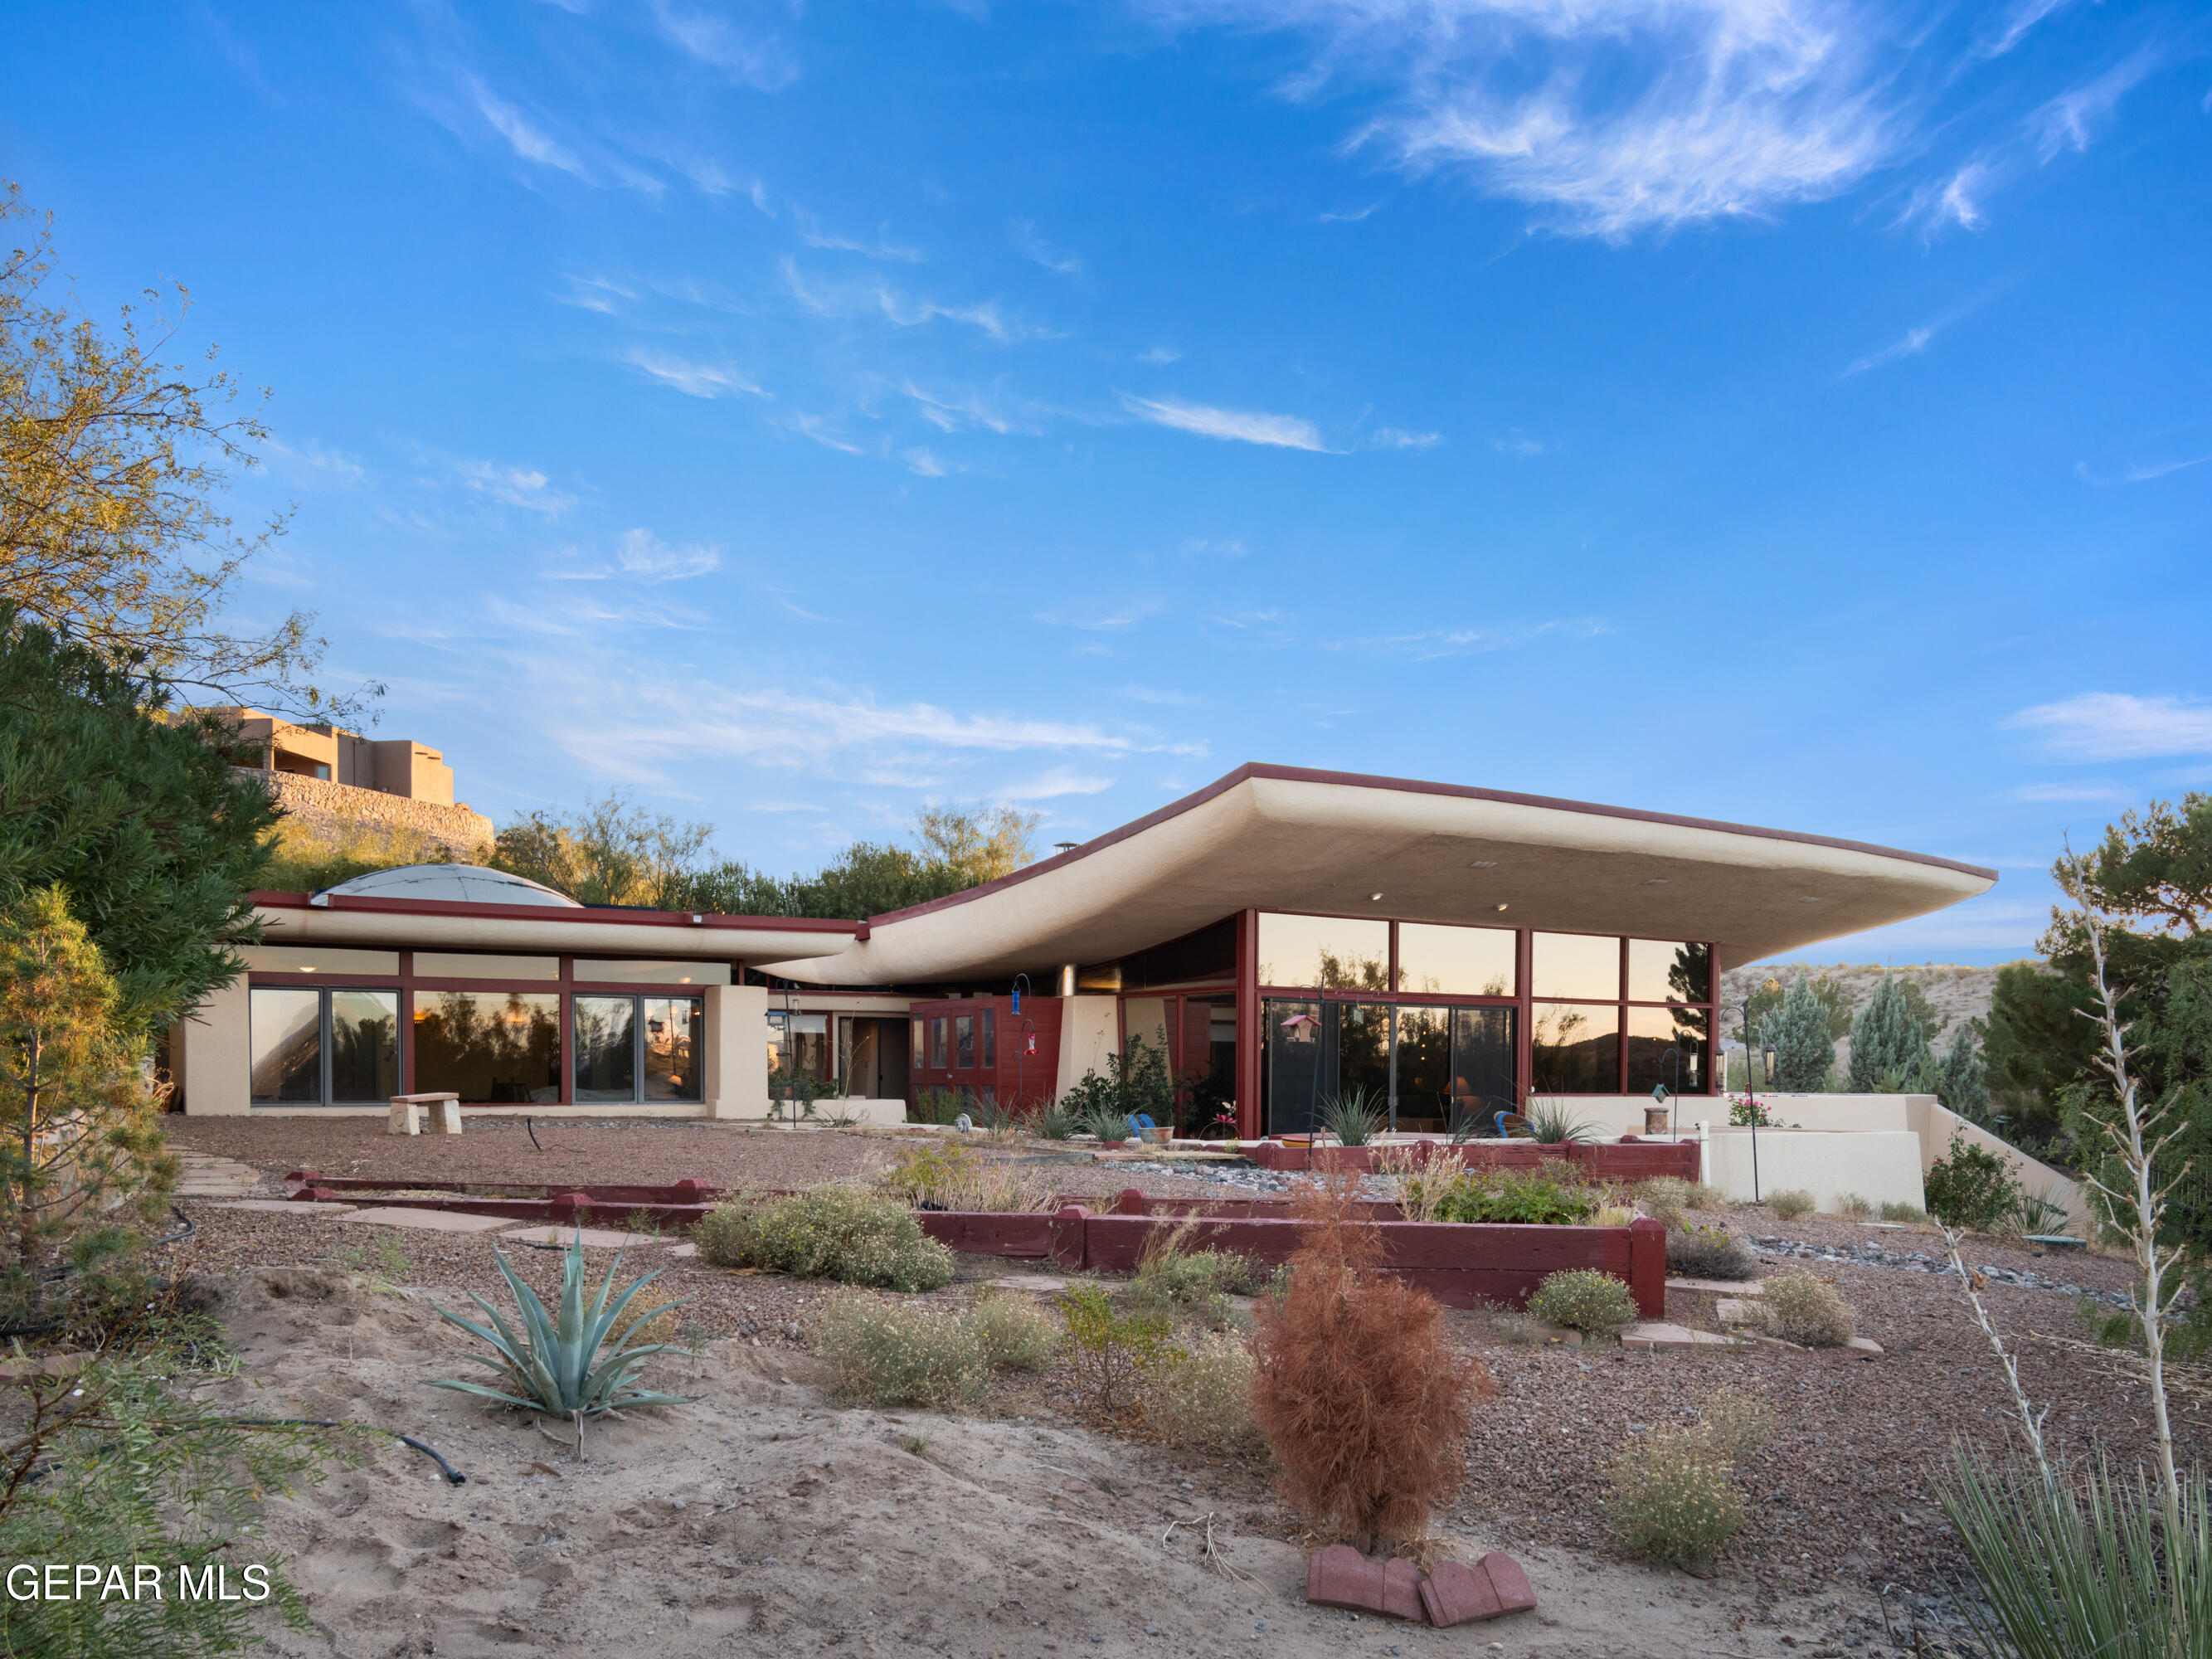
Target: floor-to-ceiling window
{"type": "Point", "coordinates": [335, 1045]}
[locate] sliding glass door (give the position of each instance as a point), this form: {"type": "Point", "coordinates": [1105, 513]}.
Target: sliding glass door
{"type": "Point", "coordinates": [1424, 1069]}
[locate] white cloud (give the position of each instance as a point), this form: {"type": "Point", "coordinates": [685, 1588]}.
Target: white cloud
{"type": "Point", "coordinates": [692, 379]}
{"type": "Point", "coordinates": [1613, 116]}
{"type": "Point", "coordinates": [1519, 445]}
{"type": "Point", "coordinates": [820, 430]}
{"type": "Point", "coordinates": [2021, 17]}
{"type": "Point", "coordinates": [2143, 472]}
{"type": "Point", "coordinates": [2116, 726]}
{"type": "Point", "coordinates": [1159, 354]}
{"type": "Point", "coordinates": [1054, 783]}
{"type": "Point", "coordinates": [1914, 342]}
{"type": "Point", "coordinates": [1158, 695]}
{"type": "Point", "coordinates": [1240, 426]}
{"type": "Point", "coordinates": [513, 486]}
{"type": "Point", "coordinates": [1352, 218]}
{"type": "Point", "coordinates": [761, 61]}
{"type": "Point", "coordinates": [1956, 199]}
{"type": "Point", "coordinates": [599, 294]}
{"type": "Point", "coordinates": [1391, 437]}
{"type": "Point", "coordinates": [2061, 793]}
{"type": "Point", "coordinates": [1112, 621]}
{"type": "Point", "coordinates": [642, 554]}
{"type": "Point", "coordinates": [848, 300]}
{"type": "Point", "coordinates": [529, 140]}
{"type": "Point", "coordinates": [950, 411]}
{"type": "Point", "coordinates": [313, 464]}
{"type": "Point", "coordinates": [1433, 643]}
{"type": "Point", "coordinates": [812, 234]}
{"type": "Point", "coordinates": [2071, 120]}
{"type": "Point", "coordinates": [1030, 246]}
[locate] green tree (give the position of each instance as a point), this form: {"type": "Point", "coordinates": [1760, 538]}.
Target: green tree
{"type": "Point", "coordinates": [111, 453]}
{"type": "Point", "coordinates": [79, 1114]}
{"type": "Point", "coordinates": [1887, 1038]}
{"type": "Point", "coordinates": [1962, 1082]}
{"type": "Point", "coordinates": [153, 838]}
{"type": "Point", "coordinates": [1798, 1029]}
{"type": "Point", "coordinates": [980, 844]}
{"type": "Point", "coordinates": [613, 852]}
{"type": "Point", "coordinates": [1826, 989]}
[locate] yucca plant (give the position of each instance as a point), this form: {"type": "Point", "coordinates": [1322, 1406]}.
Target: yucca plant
{"type": "Point", "coordinates": [1552, 1125]}
{"type": "Point", "coordinates": [2072, 1566]}
{"type": "Point", "coordinates": [556, 1366]}
{"type": "Point", "coordinates": [1355, 1118]}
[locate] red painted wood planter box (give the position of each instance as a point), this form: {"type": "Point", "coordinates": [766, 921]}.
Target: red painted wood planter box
{"type": "Point", "coordinates": [1630, 1160]}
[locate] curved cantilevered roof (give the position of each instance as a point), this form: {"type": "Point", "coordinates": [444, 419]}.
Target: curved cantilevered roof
{"type": "Point", "coordinates": [1283, 838]}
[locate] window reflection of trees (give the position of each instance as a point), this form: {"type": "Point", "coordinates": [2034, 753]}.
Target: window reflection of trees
{"type": "Point", "coordinates": [364, 1045]}
{"type": "Point", "coordinates": [485, 1047]}
{"type": "Point", "coordinates": [1576, 1048]}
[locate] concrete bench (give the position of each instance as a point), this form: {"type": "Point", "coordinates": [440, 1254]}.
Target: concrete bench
{"type": "Point", "coordinates": [407, 1114]}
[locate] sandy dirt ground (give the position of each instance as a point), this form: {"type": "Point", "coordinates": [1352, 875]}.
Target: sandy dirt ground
{"type": "Point", "coordinates": [763, 1520]}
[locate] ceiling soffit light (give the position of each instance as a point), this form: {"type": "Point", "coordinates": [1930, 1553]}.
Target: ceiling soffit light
{"type": "Point", "coordinates": [1501, 907]}
{"type": "Point", "coordinates": [1655, 881]}
{"type": "Point", "coordinates": [1810, 898]}
{"type": "Point", "coordinates": [1375, 898]}
{"type": "Point", "coordinates": [1482, 864]}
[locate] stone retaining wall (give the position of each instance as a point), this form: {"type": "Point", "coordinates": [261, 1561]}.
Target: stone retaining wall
{"type": "Point", "coordinates": [467, 833]}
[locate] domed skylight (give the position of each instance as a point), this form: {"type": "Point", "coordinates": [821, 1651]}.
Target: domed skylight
{"type": "Point", "coordinates": [453, 883]}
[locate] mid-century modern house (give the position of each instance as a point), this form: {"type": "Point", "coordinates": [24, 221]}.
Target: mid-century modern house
{"type": "Point", "coordinates": [1283, 934]}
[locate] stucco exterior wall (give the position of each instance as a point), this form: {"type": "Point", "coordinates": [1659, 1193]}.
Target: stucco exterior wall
{"type": "Point", "coordinates": [1616, 1114]}
{"type": "Point", "coordinates": [210, 1058]}
{"type": "Point", "coordinates": [1089, 1030]}
{"type": "Point", "coordinates": [1880, 1165]}
{"type": "Point", "coordinates": [1936, 1123]}
{"type": "Point", "coordinates": [736, 1051]}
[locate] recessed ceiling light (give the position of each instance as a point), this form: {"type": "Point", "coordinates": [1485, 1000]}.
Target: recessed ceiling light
{"type": "Point", "coordinates": [1482, 864]}
{"type": "Point", "coordinates": [1501, 907]}
{"type": "Point", "coordinates": [1655, 881]}
{"type": "Point", "coordinates": [1810, 898]}
{"type": "Point", "coordinates": [1375, 898]}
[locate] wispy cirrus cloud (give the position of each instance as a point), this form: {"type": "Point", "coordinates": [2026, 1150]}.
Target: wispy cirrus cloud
{"type": "Point", "coordinates": [1113, 619]}
{"type": "Point", "coordinates": [639, 556]}
{"type": "Point", "coordinates": [1612, 118]}
{"type": "Point", "coordinates": [2019, 19]}
{"type": "Point", "coordinates": [1519, 445]}
{"type": "Point", "coordinates": [812, 233]}
{"type": "Point", "coordinates": [1395, 437]}
{"type": "Point", "coordinates": [533, 138]}
{"type": "Point", "coordinates": [904, 311]}
{"type": "Point", "coordinates": [1910, 343]}
{"type": "Point", "coordinates": [708, 36]}
{"type": "Point", "coordinates": [523, 487]}
{"type": "Point", "coordinates": [1022, 234]}
{"type": "Point", "coordinates": [2063, 793]}
{"type": "Point", "coordinates": [2105, 725]}
{"type": "Point", "coordinates": [1054, 784]}
{"type": "Point", "coordinates": [2141, 472]}
{"type": "Point", "coordinates": [692, 379]}
{"type": "Point", "coordinates": [951, 411]}
{"type": "Point", "coordinates": [2073, 119]}
{"type": "Point", "coordinates": [1231, 425]}
{"type": "Point", "coordinates": [1429, 644]}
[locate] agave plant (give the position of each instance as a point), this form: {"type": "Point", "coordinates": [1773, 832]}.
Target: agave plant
{"type": "Point", "coordinates": [556, 1366]}
{"type": "Point", "coordinates": [1552, 1124]}
{"type": "Point", "coordinates": [1355, 1118]}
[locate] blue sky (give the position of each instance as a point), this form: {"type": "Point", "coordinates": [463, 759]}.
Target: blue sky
{"type": "Point", "coordinates": [1778, 411]}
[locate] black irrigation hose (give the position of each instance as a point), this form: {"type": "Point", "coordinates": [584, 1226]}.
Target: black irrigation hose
{"type": "Point", "coordinates": [452, 1475]}
{"type": "Point", "coordinates": [69, 1269]}
{"type": "Point", "coordinates": [533, 1128]}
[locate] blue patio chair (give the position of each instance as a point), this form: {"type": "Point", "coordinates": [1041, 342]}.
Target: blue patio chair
{"type": "Point", "coordinates": [1511, 1126]}
{"type": "Point", "coordinates": [1139, 1122]}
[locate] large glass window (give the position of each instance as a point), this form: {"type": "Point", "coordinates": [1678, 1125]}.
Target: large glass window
{"type": "Point", "coordinates": [990, 1039]}
{"type": "Point", "coordinates": [671, 1028]}
{"type": "Point", "coordinates": [1422, 1068]}
{"type": "Point", "coordinates": [488, 1045]}
{"type": "Point", "coordinates": [937, 1043]}
{"type": "Point", "coordinates": [963, 1041]}
{"type": "Point", "coordinates": [1483, 1066]}
{"type": "Point", "coordinates": [1292, 1071]}
{"type": "Point", "coordinates": [1446, 1064]}
{"type": "Point", "coordinates": [286, 1042]}
{"type": "Point", "coordinates": [1661, 970]}
{"type": "Point", "coordinates": [1582, 966]}
{"type": "Point", "coordinates": [1577, 1048]}
{"type": "Point", "coordinates": [319, 1048]}
{"type": "Point", "coordinates": [806, 1053]}
{"type": "Point", "coordinates": [606, 1048]}
{"type": "Point", "coordinates": [1462, 962]}
{"type": "Point", "coordinates": [1349, 953]}
{"type": "Point", "coordinates": [1673, 1046]}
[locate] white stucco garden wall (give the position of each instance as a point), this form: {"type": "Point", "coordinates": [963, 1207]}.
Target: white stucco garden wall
{"type": "Point", "coordinates": [1881, 1166]}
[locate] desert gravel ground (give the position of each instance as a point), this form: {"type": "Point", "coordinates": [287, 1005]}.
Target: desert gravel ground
{"type": "Point", "coordinates": [1842, 1515]}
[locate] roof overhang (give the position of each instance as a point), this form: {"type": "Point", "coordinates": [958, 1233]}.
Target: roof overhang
{"type": "Point", "coordinates": [432, 925]}
{"type": "Point", "coordinates": [1282, 838]}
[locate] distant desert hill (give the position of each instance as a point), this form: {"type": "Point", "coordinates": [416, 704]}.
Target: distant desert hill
{"type": "Point", "coordinates": [1959, 994]}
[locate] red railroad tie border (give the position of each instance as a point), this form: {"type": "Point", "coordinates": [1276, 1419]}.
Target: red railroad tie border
{"type": "Point", "coordinates": [1454, 1594]}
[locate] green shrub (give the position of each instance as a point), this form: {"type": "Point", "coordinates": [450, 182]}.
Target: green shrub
{"type": "Point", "coordinates": [884, 1353]}
{"type": "Point", "coordinates": [1054, 1122]}
{"type": "Point", "coordinates": [1734, 1425]}
{"type": "Point", "coordinates": [1205, 1397]}
{"type": "Point", "coordinates": [1792, 1205]}
{"type": "Point", "coordinates": [1709, 1253]}
{"type": "Point", "coordinates": [1554, 1125]}
{"type": "Point", "coordinates": [1853, 1207]}
{"type": "Point", "coordinates": [1971, 1187]}
{"type": "Point", "coordinates": [1584, 1299]}
{"type": "Point", "coordinates": [1355, 1118]}
{"type": "Point", "coordinates": [1665, 1197]}
{"type": "Point", "coordinates": [845, 1233]}
{"type": "Point", "coordinates": [1114, 1355]}
{"type": "Point", "coordinates": [1670, 1499]}
{"type": "Point", "coordinates": [1804, 1308]}
{"type": "Point", "coordinates": [1170, 1277]}
{"type": "Point", "coordinates": [1894, 1210]}
{"type": "Point", "coordinates": [1016, 1336]}
{"type": "Point", "coordinates": [1551, 1194]}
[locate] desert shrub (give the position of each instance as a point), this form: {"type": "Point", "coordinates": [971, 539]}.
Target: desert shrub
{"type": "Point", "coordinates": [650, 1317]}
{"type": "Point", "coordinates": [1670, 1499]}
{"type": "Point", "coordinates": [1735, 1425]}
{"type": "Point", "coordinates": [1894, 1210]}
{"type": "Point", "coordinates": [1555, 1124]}
{"type": "Point", "coordinates": [1361, 1394]}
{"type": "Point", "coordinates": [1853, 1207]}
{"type": "Point", "coordinates": [937, 1106]}
{"type": "Point", "coordinates": [1793, 1206]}
{"type": "Point", "coordinates": [1422, 1175]}
{"type": "Point", "coordinates": [1514, 1325]}
{"type": "Point", "coordinates": [1613, 1215]}
{"type": "Point", "coordinates": [1054, 1122]}
{"type": "Point", "coordinates": [1015, 1335]}
{"type": "Point", "coordinates": [1205, 1395]}
{"type": "Point", "coordinates": [1584, 1299]}
{"type": "Point", "coordinates": [1971, 1187]}
{"type": "Point", "coordinates": [1114, 1355]}
{"type": "Point", "coordinates": [1709, 1253]}
{"type": "Point", "coordinates": [1170, 1274]}
{"type": "Point", "coordinates": [1551, 1194]}
{"type": "Point", "coordinates": [1665, 1197]}
{"type": "Point", "coordinates": [1354, 1118]}
{"type": "Point", "coordinates": [883, 1354]}
{"type": "Point", "coordinates": [947, 1175]}
{"type": "Point", "coordinates": [1804, 1308]}
{"type": "Point", "coordinates": [845, 1233]}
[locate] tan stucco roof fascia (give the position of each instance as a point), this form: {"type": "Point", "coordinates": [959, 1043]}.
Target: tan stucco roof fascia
{"type": "Point", "coordinates": [544, 929]}
{"type": "Point", "coordinates": [1285, 839]}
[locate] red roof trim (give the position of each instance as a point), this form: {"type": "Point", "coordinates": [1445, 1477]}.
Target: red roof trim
{"type": "Point", "coordinates": [1411, 786]}
{"type": "Point", "coordinates": [549, 913]}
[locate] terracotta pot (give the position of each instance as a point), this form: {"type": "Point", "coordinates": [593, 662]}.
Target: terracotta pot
{"type": "Point", "coordinates": [1654, 1120]}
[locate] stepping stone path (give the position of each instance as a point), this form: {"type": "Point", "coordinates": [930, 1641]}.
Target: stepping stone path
{"type": "Point", "coordinates": [216, 1177]}
{"type": "Point", "coordinates": [594, 1238]}
{"type": "Point", "coordinates": [435, 1221]}
{"type": "Point", "coordinates": [1657, 1334]}
{"type": "Point", "coordinates": [1041, 1284]}
{"type": "Point", "coordinates": [283, 1207]}
{"type": "Point", "coordinates": [1725, 1286]}
{"type": "Point", "coordinates": [1340, 1577]}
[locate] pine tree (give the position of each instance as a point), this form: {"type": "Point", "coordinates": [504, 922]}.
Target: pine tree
{"type": "Point", "coordinates": [1963, 1083]}
{"type": "Point", "coordinates": [77, 1111]}
{"type": "Point", "coordinates": [1887, 1041]}
{"type": "Point", "coordinates": [1803, 1051]}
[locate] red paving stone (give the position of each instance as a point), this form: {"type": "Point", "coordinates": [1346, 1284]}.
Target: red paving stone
{"type": "Point", "coordinates": [1340, 1577]}
{"type": "Point", "coordinates": [1458, 1594]}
